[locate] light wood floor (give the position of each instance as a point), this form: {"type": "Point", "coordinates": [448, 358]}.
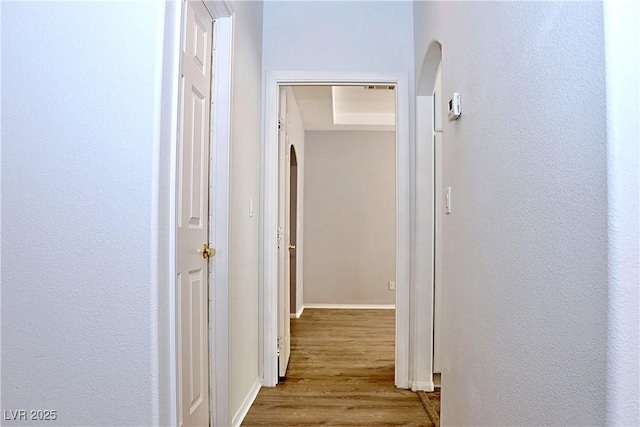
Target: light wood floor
{"type": "Point", "coordinates": [340, 374]}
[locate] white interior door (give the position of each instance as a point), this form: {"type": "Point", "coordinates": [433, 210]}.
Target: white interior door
{"type": "Point", "coordinates": [193, 217]}
{"type": "Point", "coordinates": [284, 272]}
{"type": "Point", "coordinates": [438, 212]}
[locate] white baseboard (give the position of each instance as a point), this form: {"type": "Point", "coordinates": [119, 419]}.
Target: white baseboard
{"type": "Point", "coordinates": [298, 314]}
{"type": "Point", "coordinates": [421, 386]}
{"type": "Point", "coordinates": [246, 404]}
{"type": "Point", "coordinates": [353, 306]}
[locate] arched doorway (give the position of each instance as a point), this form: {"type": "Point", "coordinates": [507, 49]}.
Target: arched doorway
{"type": "Point", "coordinates": [429, 107]}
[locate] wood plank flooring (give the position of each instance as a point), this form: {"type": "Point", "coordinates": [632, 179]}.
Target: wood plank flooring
{"type": "Point", "coordinates": [340, 374]}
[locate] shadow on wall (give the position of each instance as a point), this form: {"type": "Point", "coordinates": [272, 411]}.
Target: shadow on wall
{"type": "Point", "coordinates": [429, 69]}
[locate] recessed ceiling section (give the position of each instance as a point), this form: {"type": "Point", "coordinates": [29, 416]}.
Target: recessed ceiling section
{"type": "Point", "coordinates": [370, 108]}
{"type": "Point", "coordinates": [372, 105]}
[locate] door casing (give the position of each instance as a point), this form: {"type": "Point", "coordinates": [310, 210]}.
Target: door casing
{"type": "Point", "coordinates": [269, 212]}
{"type": "Point", "coordinates": [438, 216]}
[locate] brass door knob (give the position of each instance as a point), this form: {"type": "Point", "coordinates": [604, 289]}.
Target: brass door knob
{"type": "Point", "coordinates": [207, 251]}
{"type": "Point", "coordinates": [292, 247]}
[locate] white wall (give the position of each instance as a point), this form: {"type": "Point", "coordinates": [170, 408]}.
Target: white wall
{"type": "Point", "coordinates": [245, 167]}
{"type": "Point", "coordinates": [86, 153]}
{"type": "Point", "coordinates": [622, 39]}
{"type": "Point", "coordinates": [350, 217]}
{"type": "Point", "coordinates": [80, 141]}
{"type": "Point", "coordinates": [325, 36]}
{"type": "Point", "coordinates": [525, 296]}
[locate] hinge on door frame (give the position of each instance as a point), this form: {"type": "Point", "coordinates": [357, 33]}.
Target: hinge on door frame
{"type": "Point", "coordinates": [279, 345]}
{"type": "Point", "coordinates": [280, 124]}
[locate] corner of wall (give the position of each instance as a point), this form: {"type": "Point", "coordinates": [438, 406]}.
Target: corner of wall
{"type": "Point", "coordinates": [245, 406]}
{"type": "Point", "coordinates": [622, 38]}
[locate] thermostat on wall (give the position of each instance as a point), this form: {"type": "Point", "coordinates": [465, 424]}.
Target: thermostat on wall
{"type": "Point", "coordinates": [454, 107]}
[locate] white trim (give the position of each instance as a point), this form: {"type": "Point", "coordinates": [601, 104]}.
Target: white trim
{"type": "Point", "coordinates": [403, 232]}
{"type": "Point", "coordinates": [269, 212]}
{"type": "Point", "coordinates": [422, 386]}
{"type": "Point", "coordinates": [242, 412]}
{"type": "Point", "coordinates": [1, 203]}
{"type": "Point", "coordinates": [422, 300]}
{"type": "Point", "coordinates": [175, 72]}
{"type": "Point", "coordinates": [268, 258]}
{"type": "Point", "coordinates": [218, 8]}
{"type": "Point", "coordinates": [219, 337]}
{"type": "Point", "coordinates": [297, 314]}
{"type": "Point", "coordinates": [622, 83]}
{"type": "Point", "coordinates": [353, 306]}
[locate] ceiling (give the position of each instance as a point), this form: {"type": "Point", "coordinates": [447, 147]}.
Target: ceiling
{"type": "Point", "coordinates": [346, 107]}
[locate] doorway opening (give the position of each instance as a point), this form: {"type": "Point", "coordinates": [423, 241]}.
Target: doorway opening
{"type": "Point", "coordinates": [345, 234]}
{"type": "Point", "coordinates": [430, 214]}
{"type": "Point", "coordinates": [276, 232]}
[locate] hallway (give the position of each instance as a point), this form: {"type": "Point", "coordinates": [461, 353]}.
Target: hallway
{"type": "Point", "coordinates": [340, 373]}
{"type": "Point", "coordinates": [539, 210]}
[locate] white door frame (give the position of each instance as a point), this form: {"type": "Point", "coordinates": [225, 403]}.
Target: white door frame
{"type": "Point", "coordinates": [269, 212]}
{"type": "Point", "coordinates": [438, 214]}
{"type": "Point", "coordinates": [423, 299]}
{"type": "Point", "coordinates": [220, 140]}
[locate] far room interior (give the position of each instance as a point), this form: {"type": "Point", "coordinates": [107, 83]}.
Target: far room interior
{"type": "Point", "coordinates": [340, 173]}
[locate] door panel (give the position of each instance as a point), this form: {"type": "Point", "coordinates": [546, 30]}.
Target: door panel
{"type": "Point", "coordinates": [284, 272]}
{"type": "Point", "coordinates": [193, 297]}
{"type": "Point", "coordinates": [193, 217]}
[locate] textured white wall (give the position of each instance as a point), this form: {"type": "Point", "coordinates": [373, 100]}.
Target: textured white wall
{"type": "Point", "coordinates": [79, 143]}
{"type": "Point", "coordinates": [350, 217]}
{"type": "Point", "coordinates": [245, 167]}
{"type": "Point", "coordinates": [622, 41]}
{"type": "Point", "coordinates": [324, 36]}
{"type": "Point", "coordinates": [525, 273]}
{"type": "Point", "coordinates": [85, 162]}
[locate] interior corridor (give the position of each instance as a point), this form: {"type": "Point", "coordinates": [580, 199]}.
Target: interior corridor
{"type": "Point", "coordinates": [111, 149]}
{"type": "Point", "coordinates": [340, 373]}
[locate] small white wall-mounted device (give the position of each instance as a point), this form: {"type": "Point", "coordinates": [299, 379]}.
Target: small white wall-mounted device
{"type": "Point", "coordinates": [454, 107]}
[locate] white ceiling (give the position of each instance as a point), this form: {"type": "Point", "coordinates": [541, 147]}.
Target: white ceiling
{"type": "Point", "coordinates": [354, 107]}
